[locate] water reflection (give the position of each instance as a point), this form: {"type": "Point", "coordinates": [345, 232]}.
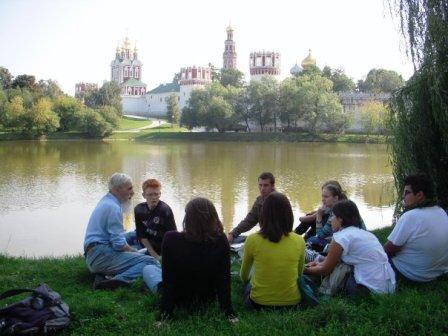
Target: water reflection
{"type": "Point", "coordinates": [48, 189]}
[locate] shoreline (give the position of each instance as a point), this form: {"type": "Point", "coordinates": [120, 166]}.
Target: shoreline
{"type": "Point", "coordinates": [155, 135]}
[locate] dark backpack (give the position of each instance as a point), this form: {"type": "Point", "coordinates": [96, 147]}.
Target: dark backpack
{"type": "Point", "coordinates": [41, 313]}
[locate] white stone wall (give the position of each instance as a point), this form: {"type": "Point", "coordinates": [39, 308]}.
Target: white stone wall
{"type": "Point", "coordinates": [157, 103]}
{"type": "Point", "coordinates": [185, 93]}
{"type": "Point", "coordinates": [134, 105]}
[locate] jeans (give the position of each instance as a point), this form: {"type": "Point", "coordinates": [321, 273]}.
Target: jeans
{"type": "Point", "coordinates": [124, 266]}
{"type": "Point", "coordinates": [152, 276]}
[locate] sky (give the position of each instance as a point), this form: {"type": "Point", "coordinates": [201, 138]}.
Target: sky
{"type": "Point", "coordinates": [74, 41]}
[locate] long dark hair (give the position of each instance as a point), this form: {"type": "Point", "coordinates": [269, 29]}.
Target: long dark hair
{"type": "Point", "coordinates": [201, 221]}
{"type": "Point", "coordinates": [348, 212]}
{"type": "Point", "coordinates": [335, 190]}
{"type": "Point", "coordinates": [276, 217]}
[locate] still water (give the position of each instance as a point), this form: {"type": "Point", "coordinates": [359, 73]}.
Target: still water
{"type": "Point", "coordinates": [48, 189]}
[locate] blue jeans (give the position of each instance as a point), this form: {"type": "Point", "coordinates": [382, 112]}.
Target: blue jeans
{"type": "Point", "coordinates": [152, 276]}
{"type": "Point", "coordinates": [124, 266]}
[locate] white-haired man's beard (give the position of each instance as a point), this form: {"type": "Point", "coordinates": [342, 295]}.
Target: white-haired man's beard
{"type": "Point", "coordinates": [126, 206]}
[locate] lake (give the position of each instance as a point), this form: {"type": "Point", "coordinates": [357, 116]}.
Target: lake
{"type": "Point", "coordinates": [49, 189]}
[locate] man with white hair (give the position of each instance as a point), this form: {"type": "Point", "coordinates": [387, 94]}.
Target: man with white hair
{"type": "Point", "coordinates": [106, 251]}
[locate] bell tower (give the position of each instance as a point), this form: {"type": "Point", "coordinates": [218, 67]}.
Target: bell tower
{"type": "Point", "coordinates": [229, 55]}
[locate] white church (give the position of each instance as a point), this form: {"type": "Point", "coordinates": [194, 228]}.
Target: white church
{"type": "Point", "coordinates": [126, 70]}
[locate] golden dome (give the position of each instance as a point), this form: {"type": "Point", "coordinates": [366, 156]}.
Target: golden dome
{"type": "Point", "coordinates": [308, 61]}
{"type": "Point", "coordinates": [229, 28]}
{"type": "Point", "coordinates": [126, 43]}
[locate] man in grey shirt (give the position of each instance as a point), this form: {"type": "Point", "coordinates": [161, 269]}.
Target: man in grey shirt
{"type": "Point", "coordinates": [266, 185]}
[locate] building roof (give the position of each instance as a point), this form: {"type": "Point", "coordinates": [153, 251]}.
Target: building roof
{"type": "Point", "coordinates": [165, 88]}
{"type": "Point", "coordinates": [134, 82]}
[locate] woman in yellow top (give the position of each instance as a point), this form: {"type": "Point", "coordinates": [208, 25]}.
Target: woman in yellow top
{"type": "Point", "coordinates": [273, 257]}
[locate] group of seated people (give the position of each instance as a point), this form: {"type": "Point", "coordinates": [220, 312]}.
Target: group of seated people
{"type": "Point", "coordinates": [192, 267]}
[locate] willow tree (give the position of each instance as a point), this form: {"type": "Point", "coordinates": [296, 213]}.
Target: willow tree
{"type": "Point", "coordinates": [419, 119]}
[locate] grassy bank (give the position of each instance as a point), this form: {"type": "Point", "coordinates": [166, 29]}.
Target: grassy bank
{"type": "Point", "coordinates": [127, 123]}
{"type": "Point", "coordinates": [258, 136]}
{"type": "Point", "coordinates": [413, 310]}
{"type": "Point", "coordinates": [133, 129]}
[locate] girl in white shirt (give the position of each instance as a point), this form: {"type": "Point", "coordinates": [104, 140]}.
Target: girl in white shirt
{"type": "Point", "coordinates": [358, 248]}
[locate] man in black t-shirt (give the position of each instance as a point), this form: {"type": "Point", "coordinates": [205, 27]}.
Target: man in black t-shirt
{"type": "Point", "coordinates": [153, 218]}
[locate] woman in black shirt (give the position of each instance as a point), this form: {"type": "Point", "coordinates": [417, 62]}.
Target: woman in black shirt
{"type": "Point", "coordinates": [196, 261]}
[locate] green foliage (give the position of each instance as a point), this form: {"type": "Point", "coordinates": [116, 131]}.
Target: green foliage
{"type": "Point", "coordinates": [24, 81]}
{"type": "Point", "coordinates": [220, 114]}
{"type": "Point", "coordinates": [232, 77]}
{"type": "Point", "coordinates": [48, 88]}
{"type": "Point", "coordinates": [14, 112]}
{"type": "Point", "coordinates": [341, 82]}
{"type": "Point", "coordinates": [209, 107]}
{"type": "Point", "coordinates": [419, 119]}
{"type": "Point", "coordinates": [3, 101]}
{"type": "Point", "coordinates": [94, 124]}
{"type": "Point", "coordinates": [373, 117]}
{"type": "Point", "coordinates": [70, 112]}
{"type": "Point", "coordinates": [173, 111]}
{"type": "Point", "coordinates": [41, 119]}
{"type": "Point", "coordinates": [110, 115]}
{"type": "Point", "coordinates": [108, 94]}
{"type": "Point", "coordinates": [264, 101]}
{"type": "Point", "coordinates": [320, 106]}
{"type": "Point", "coordinates": [5, 78]}
{"type": "Point", "coordinates": [381, 81]}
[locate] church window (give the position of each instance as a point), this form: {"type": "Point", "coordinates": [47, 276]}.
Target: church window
{"type": "Point", "coordinates": [160, 99]}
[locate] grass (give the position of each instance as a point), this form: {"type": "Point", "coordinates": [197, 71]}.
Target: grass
{"type": "Point", "coordinates": [128, 123]}
{"type": "Point", "coordinates": [147, 134]}
{"type": "Point", "coordinates": [414, 310]}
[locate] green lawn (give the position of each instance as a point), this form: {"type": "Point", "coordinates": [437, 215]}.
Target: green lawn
{"type": "Point", "coordinates": [127, 123]}
{"type": "Point", "coordinates": [414, 310]}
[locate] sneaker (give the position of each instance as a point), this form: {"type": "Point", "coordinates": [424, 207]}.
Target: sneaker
{"type": "Point", "coordinates": [111, 284]}
{"type": "Point", "coordinates": [98, 278]}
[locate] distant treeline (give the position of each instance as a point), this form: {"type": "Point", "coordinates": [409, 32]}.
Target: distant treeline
{"type": "Point", "coordinates": [309, 100]}
{"type": "Point", "coordinates": [34, 109]}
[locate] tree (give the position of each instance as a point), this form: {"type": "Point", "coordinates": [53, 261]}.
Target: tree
{"type": "Point", "coordinates": [341, 82]}
{"type": "Point", "coordinates": [289, 102]}
{"type": "Point", "coordinates": [94, 124]}
{"type": "Point", "coordinates": [14, 111]}
{"type": "Point", "coordinates": [232, 77]}
{"type": "Point", "coordinates": [216, 75]}
{"type": "Point", "coordinates": [373, 117]}
{"type": "Point", "coordinates": [419, 117]}
{"type": "Point", "coordinates": [108, 94]}
{"type": "Point", "coordinates": [320, 106]}
{"type": "Point", "coordinates": [195, 110]}
{"type": "Point", "coordinates": [110, 115]}
{"type": "Point", "coordinates": [173, 110]}
{"type": "Point", "coordinates": [382, 81]}
{"type": "Point", "coordinates": [70, 112]}
{"type": "Point", "coordinates": [240, 102]}
{"type": "Point", "coordinates": [24, 81]}
{"type": "Point", "coordinates": [3, 101]}
{"type": "Point", "coordinates": [263, 100]}
{"type": "Point", "coordinates": [5, 78]}
{"type": "Point", "coordinates": [48, 88]}
{"type": "Point", "coordinates": [41, 119]}
{"type": "Point", "coordinates": [220, 114]}
{"type": "Point", "coordinates": [176, 78]}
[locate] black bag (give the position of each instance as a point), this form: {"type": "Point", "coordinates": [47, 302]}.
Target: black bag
{"type": "Point", "coordinates": [43, 312]}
